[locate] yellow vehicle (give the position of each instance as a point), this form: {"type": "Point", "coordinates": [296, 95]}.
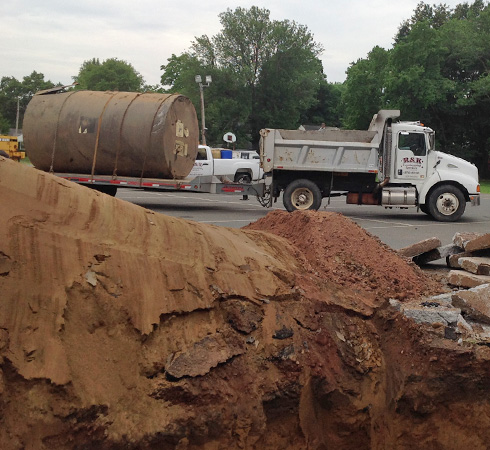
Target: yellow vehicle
{"type": "Point", "coordinates": [10, 145]}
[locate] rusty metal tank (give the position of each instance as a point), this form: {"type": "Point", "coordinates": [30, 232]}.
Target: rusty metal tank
{"type": "Point", "coordinates": [112, 133]}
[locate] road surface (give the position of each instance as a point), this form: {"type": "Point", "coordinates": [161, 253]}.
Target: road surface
{"type": "Point", "coordinates": [395, 227]}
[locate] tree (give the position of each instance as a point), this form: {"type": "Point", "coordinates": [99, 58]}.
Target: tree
{"type": "Point", "coordinates": [110, 75]}
{"type": "Point", "coordinates": [364, 89]}
{"type": "Point", "coordinates": [13, 90]}
{"type": "Point", "coordinates": [328, 108]}
{"type": "Point", "coordinates": [4, 125]}
{"type": "Point", "coordinates": [416, 83]}
{"type": "Point", "coordinates": [435, 16]}
{"type": "Point", "coordinates": [267, 72]}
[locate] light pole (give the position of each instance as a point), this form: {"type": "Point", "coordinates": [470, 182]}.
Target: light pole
{"type": "Point", "coordinates": [203, 119]}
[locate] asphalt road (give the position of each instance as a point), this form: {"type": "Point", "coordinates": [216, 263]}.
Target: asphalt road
{"type": "Point", "coordinates": [395, 227]}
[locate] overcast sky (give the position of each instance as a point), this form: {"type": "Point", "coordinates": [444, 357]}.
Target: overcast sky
{"type": "Point", "coordinates": [55, 37]}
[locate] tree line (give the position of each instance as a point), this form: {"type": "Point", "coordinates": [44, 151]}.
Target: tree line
{"type": "Point", "coordinates": [267, 73]}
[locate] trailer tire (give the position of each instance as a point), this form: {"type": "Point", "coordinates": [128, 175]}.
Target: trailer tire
{"type": "Point", "coordinates": [302, 195]}
{"type": "Point", "coordinates": [446, 203]}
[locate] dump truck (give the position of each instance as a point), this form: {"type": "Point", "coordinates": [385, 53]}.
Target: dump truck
{"type": "Point", "coordinates": [9, 148]}
{"type": "Point", "coordinates": [111, 140]}
{"type": "Point", "coordinates": [392, 164]}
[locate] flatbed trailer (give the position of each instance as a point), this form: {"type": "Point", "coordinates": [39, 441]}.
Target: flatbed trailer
{"type": "Point", "coordinates": [203, 184]}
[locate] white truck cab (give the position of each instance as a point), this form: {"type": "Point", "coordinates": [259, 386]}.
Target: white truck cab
{"type": "Point", "coordinates": [439, 183]}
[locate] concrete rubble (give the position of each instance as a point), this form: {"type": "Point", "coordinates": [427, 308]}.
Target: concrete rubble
{"type": "Point", "coordinates": [464, 313]}
{"type": "Point", "coordinates": [469, 253]}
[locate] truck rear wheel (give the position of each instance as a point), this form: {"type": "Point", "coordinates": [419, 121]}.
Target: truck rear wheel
{"type": "Point", "coordinates": [302, 195]}
{"type": "Point", "coordinates": [243, 178]}
{"type": "Point", "coordinates": [446, 203]}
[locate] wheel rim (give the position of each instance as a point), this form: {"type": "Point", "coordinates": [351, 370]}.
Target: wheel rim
{"type": "Point", "coordinates": [447, 203]}
{"type": "Point", "coordinates": [302, 198]}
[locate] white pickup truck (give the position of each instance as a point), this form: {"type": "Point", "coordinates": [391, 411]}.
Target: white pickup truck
{"type": "Point", "coordinates": [236, 170]}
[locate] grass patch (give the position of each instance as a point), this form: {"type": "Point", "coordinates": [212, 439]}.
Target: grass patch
{"type": "Point", "coordinates": [485, 186]}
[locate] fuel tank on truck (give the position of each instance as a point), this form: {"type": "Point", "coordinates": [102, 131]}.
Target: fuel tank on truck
{"type": "Point", "coordinates": [112, 133]}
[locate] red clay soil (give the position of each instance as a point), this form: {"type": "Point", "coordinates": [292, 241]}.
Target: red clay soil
{"type": "Point", "coordinates": [344, 254]}
{"type": "Point", "coordinates": [125, 329]}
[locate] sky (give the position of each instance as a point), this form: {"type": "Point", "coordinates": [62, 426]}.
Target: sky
{"type": "Point", "coordinates": [55, 37]}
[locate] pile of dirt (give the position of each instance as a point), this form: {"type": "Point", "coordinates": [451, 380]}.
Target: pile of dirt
{"type": "Point", "coordinates": [342, 253]}
{"type": "Point", "coordinates": [121, 328]}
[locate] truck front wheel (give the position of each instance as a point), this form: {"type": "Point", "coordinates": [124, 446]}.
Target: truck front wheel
{"type": "Point", "coordinates": [446, 203]}
{"type": "Point", "coordinates": [302, 195]}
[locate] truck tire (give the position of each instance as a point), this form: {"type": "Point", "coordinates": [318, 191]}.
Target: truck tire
{"type": "Point", "coordinates": [302, 195]}
{"type": "Point", "coordinates": [243, 178]}
{"type": "Point", "coordinates": [446, 203]}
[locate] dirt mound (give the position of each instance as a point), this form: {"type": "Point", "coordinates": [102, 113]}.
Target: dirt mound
{"type": "Point", "coordinates": [341, 252]}
{"type": "Point", "coordinates": [121, 328]}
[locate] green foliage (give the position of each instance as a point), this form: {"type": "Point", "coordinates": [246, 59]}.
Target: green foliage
{"type": "Point", "coordinates": [4, 125]}
{"type": "Point", "coordinates": [328, 107]}
{"type": "Point", "coordinates": [437, 72]}
{"type": "Point", "coordinates": [12, 90]}
{"type": "Point", "coordinates": [110, 75]}
{"type": "Point", "coordinates": [364, 89]}
{"type": "Point", "coordinates": [485, 186]}
{"type": "Point", "coordinates": [265, 73]}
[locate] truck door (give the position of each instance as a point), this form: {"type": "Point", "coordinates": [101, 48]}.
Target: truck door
{"type": "Point", "coordinates": [411, 156]}
{"type": "Point", "coordinates": [204, 164]}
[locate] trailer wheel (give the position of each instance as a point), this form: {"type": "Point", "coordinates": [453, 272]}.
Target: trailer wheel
{"type": "Point", "coordinates": [302, 195]}
{"type": "Point", "coordinates": [446, 203]}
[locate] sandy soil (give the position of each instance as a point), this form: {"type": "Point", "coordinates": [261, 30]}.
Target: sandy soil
{"type": "Point", "coordinates": [125, 329]}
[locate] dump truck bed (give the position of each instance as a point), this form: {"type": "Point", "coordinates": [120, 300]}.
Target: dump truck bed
{"type": "Point", "coordinates": [323, 150]}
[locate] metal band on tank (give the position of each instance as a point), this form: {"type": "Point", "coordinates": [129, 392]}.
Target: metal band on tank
{"type": "Point", "coordinates": [98, 135]}
{"type": "Point", "coordinates": [149, 136]}
{"type": "Point", "coordinates": [114, 173]}
{"type": "Point", "coordinates": [51, 167]}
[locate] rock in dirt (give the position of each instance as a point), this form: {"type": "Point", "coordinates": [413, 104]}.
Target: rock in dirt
{"type": "Point", "coordinates": [148, 351]}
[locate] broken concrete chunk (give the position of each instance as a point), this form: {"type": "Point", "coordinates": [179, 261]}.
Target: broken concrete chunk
{"type": "Point", "coordinates": [476, 265]}
{"type": "Point", "coordinates": [440, 314]}
{"type": "Point", "coordinates": [472, 241]}
{"type": "Point", "coordinates": [205, 354]}
{"type": "Point", "coordinates": [475, 303]}
{"type": "Point", "coordinates": [437, 253]}
{"type": "Point", "coordinates": [465, 279]}
{"type": "Point", "coordinates": [453, 260]}
{"type": "Point", "coordinates": [420, 247]}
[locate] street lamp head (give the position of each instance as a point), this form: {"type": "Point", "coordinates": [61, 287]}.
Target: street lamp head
{"type": "Point", "coordinates": [198, 79]}
{"type": "Point", "coordinates": [208, 79]}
